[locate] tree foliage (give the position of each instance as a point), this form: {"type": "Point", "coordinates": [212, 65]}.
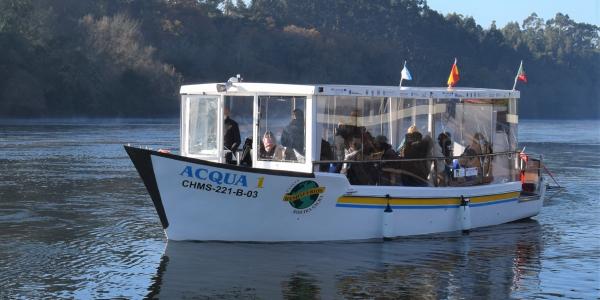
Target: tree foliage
{"type": "Point", "coordinates": [129, 57]}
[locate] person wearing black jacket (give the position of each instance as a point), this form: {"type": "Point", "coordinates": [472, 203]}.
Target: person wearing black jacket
{"type": "Point", "coordinates": [293, 134]}
{"type": "Point", "coordinates": [231, 140]}
{"type": "Point", "coordinates": [416, 172]}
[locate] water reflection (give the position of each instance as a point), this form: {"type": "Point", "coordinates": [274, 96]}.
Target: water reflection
{"type": "Point", "coordinates": [488, 263]}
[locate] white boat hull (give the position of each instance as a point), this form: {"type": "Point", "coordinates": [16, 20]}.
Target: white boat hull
{"type": "Point", "coordinates": [199, 200]}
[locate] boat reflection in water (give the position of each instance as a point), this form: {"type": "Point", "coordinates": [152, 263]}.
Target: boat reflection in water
{"type": "Point", "coordinates": [491, 262]}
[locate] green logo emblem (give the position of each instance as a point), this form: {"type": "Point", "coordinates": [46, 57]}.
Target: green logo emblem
{"type": "Point", "coordinates": [304, 194]}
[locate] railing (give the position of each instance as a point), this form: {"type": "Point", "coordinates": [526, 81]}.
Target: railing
{"type": "Point", "coordinates": [462, 170]}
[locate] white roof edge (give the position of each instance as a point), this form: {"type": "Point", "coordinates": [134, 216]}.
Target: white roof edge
{"type": "Point", "coordinates": [248, 88]}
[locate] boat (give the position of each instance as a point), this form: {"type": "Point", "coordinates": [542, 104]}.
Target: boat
{"type": "Point", "coordinates": [340, 162]}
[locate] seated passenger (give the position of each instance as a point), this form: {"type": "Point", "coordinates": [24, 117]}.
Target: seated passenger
{"type": "Point", "coordinates": [269, 148]}
{"type": "Point", "coordinates": [359, 173]}
{"type": "Point", "coordinates": [381, 146]}
{"type": "Point", "coordinates": [445, 143]}
{"type": "Point", "coordinates": [443, 148]}
{"type": "Point", "coordinates": [384, 151]}
{"type": "Point", "coordinates": [293, 134]}
{"type": "Point", "coordinates": [410, 130]}
{"type": "Point", "coordinates": [345, 134]}
{"type": "Point", "coordinates": [326, 154]}
{"type": "Point", "coordinates": [470, 159]}
{"type": "Point", "coordinates": [478, 146]}
{"type": "Point", "coordinates": [415, 172]}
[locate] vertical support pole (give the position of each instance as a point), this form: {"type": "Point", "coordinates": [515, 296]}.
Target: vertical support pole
{"type": "Point", "coordinates": [430, 129]}
{"type": "Point", "coordinates": [256, 137]}
{"type": "Point", "coordinates": [220, 128]}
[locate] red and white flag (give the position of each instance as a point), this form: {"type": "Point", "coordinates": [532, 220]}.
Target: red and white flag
{"type": "Point", "coordinates": [520, 75]}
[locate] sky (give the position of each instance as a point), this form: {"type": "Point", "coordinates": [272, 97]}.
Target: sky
{"type": "Point", "coordinates": [504, 11]}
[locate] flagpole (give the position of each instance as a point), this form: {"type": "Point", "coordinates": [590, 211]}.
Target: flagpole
{"type": "Point", "coordinates": [517, 76]}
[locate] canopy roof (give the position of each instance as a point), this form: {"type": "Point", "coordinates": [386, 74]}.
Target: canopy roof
{"type": "Point", "coordinates": [250, 88]}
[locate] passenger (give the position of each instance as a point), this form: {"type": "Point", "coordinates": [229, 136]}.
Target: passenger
{"type": "Point", "coordinates": [479, 146]}
{"type": "Point", "coordinates": [415, 173]}
{"type": "Point", "coordinates": [382, 146]}
{"type": "Point", "coordinates": [231, 139]}
{"type": "Point", "coordinates": [293, 134]}
{"type": "Point", "coordinates": [344, 136]}
{"type": "Point", "coordinates": [445, 143]}
{"type": "Point", "coordinates": [359, 173]}
{"type": "Point", "coordinates": [384, 151]}
{"type": "Point", "coordinates": [411, 129]}
{"type": "Point", "coordinates": [443, 148]}
{"type": "Point", "coordinates": [326, 154]}
{"type": "Point", "coordinates": [269, 148]}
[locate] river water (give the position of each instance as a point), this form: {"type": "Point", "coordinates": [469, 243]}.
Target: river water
{"type": "Point", "coordinates": [76, 222]}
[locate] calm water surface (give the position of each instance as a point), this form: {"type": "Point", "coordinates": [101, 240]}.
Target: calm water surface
{"type": "Point", "coordinates": [76, 222]}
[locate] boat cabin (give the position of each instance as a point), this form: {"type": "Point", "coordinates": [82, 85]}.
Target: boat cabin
{"type": "Point", "coordinates": [375, 135]}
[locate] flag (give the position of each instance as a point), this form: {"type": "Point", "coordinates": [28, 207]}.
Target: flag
{"type": "Point", "coordinates": [523, 156]}
{"type": "Point", "coordinates": [405, 73]}
{"type": "Point", "coordinates": [521, 73]}
{"type": "Point", "coordinates": [454, 77]}
{"type": "Point", "coordinates": [520, 76]}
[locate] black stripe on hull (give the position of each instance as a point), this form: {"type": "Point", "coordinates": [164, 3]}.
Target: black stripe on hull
{"type": "Point", "coordinates": [142, 161]}
{"type": "Point", "coordinates": [226, 166]}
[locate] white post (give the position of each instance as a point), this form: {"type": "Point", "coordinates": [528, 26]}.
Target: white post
{"type": "Point", "coordinates": [465, 214]}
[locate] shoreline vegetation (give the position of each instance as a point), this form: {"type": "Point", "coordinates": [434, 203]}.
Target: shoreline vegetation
{"type": "Point", "coordinates": [127, 59]}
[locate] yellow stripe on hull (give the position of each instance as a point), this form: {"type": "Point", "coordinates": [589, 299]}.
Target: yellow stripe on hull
{"type": "Point", "coordinates": [357, 200]}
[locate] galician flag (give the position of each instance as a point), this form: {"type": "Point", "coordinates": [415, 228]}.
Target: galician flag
{"type": "Point", "coordinates": [520, 75]}
{"type": "Point", "coordinates": [454, 76]}
{"type": "Point", "coordinates": [405, 73]}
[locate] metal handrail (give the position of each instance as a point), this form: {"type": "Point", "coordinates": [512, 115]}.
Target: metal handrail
{"type": "Point", "coordinates": [485, 158]}
{"type": "Point", "coordinates": [318, 162]}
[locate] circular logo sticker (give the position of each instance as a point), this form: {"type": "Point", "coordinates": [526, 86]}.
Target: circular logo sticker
{"type": "Point", "coordinates": [303, 194]}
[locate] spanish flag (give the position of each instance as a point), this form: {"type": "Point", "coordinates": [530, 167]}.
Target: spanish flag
{"type": "Point", "coordinates": [454, 77]}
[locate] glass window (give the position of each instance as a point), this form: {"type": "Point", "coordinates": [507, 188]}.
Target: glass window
{"type": "Point", "coordinates": [407, 113]}
{"type": "Point", "coordinates": [466, 128]}
{"type": "Point", "coordinates": [503, 140]}
{"type": "Point", "coordinates": [237, 127]}
{"type": "Point", "coordinates": [240, 110]}
{"type": "Point", "coordinates": [281, 128]}
{"type": "Point", "coordinates": [477, 123]}
{"type": "Point", "coordinates": [354, 129]}
{"type": "Point", "coordinates": [342, 119]}
{"type": "Point", "coordinates": [202, 130]}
